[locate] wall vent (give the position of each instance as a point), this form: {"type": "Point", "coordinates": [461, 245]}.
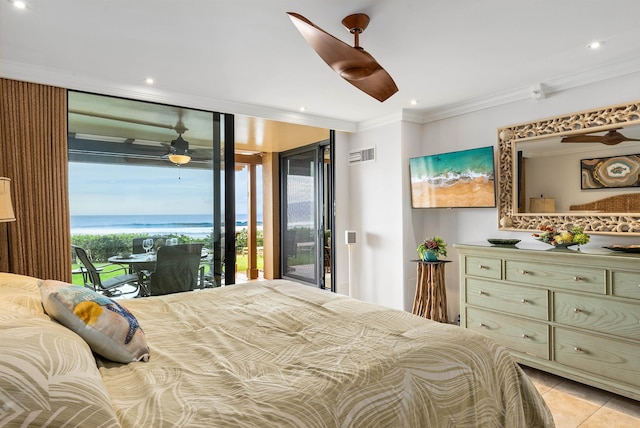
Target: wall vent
{"type": "Point", "coordinates": [362, 155]}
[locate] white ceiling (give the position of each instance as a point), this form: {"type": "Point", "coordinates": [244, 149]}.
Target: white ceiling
{"type": "Point", "coordinates": [246, 57]}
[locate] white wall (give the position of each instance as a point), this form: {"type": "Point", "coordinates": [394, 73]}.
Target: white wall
{"type": "Point", "coordinates": [412, 219]}
{"type": "Point", "coordinates": [375, 201]}
{"type": "Point", "coordinates": [342, 208]}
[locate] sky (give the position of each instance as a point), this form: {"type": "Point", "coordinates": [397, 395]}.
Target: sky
{"type": "Point", "coordinates": [112, 189]}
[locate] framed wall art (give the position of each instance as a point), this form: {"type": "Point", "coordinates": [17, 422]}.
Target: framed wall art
{"type": "Point", "coordinates": [455, 179]}
{"type": "Point", "coordinates": [610, 172]}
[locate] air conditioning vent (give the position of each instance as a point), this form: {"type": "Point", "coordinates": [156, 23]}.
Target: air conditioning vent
{"type": "Point", "coordinates": [362, 155]}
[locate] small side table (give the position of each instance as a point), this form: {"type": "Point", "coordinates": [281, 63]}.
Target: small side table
{"type": "Point", "coordinates": [431, 293]}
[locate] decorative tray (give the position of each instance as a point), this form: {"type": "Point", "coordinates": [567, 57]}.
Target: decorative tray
{"type": "Point", "coordinates": [503, 241]}
{"type": "Point", "coordinates": [624, 248]}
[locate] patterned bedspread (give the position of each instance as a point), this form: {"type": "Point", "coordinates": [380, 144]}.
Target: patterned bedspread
{"type": "Point", "coordinates": [279, 354]}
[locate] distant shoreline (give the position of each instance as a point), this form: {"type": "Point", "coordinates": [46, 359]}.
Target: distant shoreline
{"type": "Point", "coordinates": [193, 225]}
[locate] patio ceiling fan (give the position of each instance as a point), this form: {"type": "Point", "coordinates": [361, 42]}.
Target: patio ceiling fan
{"type": "Point", "coordinates": [178, 153]}
{"type": "Point", "coordinates": [179, 150]}
{"type": "Point", "coordinates": [611, 138]}
{"type": "Point", "coordinates": [352, 63]}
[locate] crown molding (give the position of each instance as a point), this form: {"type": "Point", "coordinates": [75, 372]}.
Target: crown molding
{"type": "Point", "coordinates": [63, 79]}
{"type": "Point", "coordinates": [605, 72]}
{"type": "Point", "coordinates": [55, 77]}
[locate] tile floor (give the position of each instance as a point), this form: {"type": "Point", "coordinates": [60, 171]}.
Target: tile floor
{"type": "Point", "coordinates": [577, 405]}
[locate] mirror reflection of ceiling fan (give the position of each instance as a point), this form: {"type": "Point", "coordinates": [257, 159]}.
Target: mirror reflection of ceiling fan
{"type": "Point", "coordinates": [611, 138]}
{"type": "Point", "coordinates": [352, 63]}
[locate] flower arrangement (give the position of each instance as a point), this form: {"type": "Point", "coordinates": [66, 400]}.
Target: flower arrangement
{"type": "Point", "coordinates": [549, 235]}
{"type": "Point", "coordinates": [434, 245]}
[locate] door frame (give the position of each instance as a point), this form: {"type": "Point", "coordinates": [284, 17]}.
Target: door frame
{"type": "Point", "coordinates": [323, 184]}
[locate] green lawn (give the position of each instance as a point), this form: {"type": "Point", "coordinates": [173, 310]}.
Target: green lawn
{"type": "Point", "coordinates": [242, 262]}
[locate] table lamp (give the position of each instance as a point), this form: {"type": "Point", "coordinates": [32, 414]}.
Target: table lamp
{"type": "Point", "coordinates": [6, 209]}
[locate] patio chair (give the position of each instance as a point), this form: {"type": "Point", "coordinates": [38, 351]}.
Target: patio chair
{"type": "Point", "coordinates": [109, 287]}
{"type": "Point", "coordinates": [176, 270]}
{"type": "Point", "coordinates": [195, 248]}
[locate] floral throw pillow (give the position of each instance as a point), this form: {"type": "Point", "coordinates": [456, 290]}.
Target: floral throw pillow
{"type": "Point", "coordinates": [108, 328]}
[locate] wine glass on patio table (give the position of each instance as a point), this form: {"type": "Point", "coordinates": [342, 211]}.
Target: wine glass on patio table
{"type": "Point", "coordinates": [147, 244]}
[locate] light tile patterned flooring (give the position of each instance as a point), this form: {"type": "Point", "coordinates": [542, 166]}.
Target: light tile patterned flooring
{"type": "Point", "coordinates": [576, 405]}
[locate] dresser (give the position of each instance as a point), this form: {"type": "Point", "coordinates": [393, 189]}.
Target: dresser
{"type": "Point", "coordinates": [572, 313]}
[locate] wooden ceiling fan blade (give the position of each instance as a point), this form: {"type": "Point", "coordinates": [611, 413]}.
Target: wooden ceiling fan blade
{"type": "Point", "coordinates": [583, 139]}
{"type": "Point", "coordinates": [336, 53]}
{"type": "Point", "coordinates": [379, 85]}
{"type": "Point", "coordinates": [353, 64]}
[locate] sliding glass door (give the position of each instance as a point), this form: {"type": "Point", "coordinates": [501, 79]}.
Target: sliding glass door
{"type": "Point", "coordinates": [126, 182]}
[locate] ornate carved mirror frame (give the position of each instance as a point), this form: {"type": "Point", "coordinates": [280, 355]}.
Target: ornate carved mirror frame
{"type": "Point", "coordinates": [575, 123]}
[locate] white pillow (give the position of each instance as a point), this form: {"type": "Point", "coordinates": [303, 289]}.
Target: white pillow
{"type": "Point", "coordinates": [109, 328]}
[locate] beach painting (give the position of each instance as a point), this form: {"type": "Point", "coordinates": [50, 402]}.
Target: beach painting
{"type": "Point", "coordinates": [455, 179]}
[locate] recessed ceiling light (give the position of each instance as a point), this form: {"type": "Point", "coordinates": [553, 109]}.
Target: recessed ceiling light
{"type": "Point", "coordinates": [594, 45]}
{"type": "Point", "coordinates": [149, 81]}
{"type": "Point", "coordinates": [414, 102]}
{"type": "Point", "coordinates": [18, 4]}
{"type": "Point", "coordinates": [303, 108]}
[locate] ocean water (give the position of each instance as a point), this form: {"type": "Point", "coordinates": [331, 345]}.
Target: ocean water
{"type": "Point", "coordinates": [447, 169]}
{"type": "Point", "coordinates": [194, 225]}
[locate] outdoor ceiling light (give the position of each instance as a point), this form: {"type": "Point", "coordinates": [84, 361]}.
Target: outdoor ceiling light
{"type": "Point", "coordinates": [6, 209]}
{"type": "Point", "coordinates": [179, 159]}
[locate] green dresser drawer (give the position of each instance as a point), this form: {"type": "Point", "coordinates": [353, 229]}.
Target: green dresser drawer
{"type": "Point", "coordinates": [525, 336]}
{"type": "Point", "coordinates": [625, 284]}
{"type": "Point", "coordinates": [515, 299]}
{"type": "Point", "coordinates": [485, 267]}
{"type": "Point", "coordinates": [598, 355]}
{"type": "Point", "coordinates": [567, 277]}
{"type": "Point", "coordinates": [599, 314]}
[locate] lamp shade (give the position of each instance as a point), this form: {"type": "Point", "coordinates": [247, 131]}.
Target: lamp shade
{"type": "Point", "coordinates": [6, 209]}
{"type": "Point", "coordinates": [179, 159]}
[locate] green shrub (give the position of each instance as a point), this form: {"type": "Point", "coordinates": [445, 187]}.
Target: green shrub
{"type": "Point", "coordinates": [242, 238]}
{"type": "Point", "coordinates": [101, 247]}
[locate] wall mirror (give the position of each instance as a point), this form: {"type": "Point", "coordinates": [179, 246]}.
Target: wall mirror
{"type": "Point", "coordinates": [540, 178]}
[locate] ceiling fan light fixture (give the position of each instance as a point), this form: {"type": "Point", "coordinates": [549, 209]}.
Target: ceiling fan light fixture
{"type": "Point", "coordinates": [179, 159]}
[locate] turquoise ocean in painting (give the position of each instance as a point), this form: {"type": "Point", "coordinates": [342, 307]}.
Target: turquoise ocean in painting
{"type": "Point", "coordinates": [448, 169]}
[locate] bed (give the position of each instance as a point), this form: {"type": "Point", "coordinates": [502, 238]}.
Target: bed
{"type": "Point", "coordinates": [263, 354]}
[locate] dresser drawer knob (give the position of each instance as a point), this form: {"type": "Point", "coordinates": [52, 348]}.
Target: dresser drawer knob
{"type": "Point", "coordinates": [525, 336]}
{"type": "Point", "coordinates": [482, 325]}
{"type": "Point", "coordinates": [577, 349]}
{"type": "Point", "coordinates": [524, 272]}
{"type": "Point", "coordinates": [576, 310]}
{"type": "Point", "coordinates": [577, 278]}
{"type": "Point", "coordinates": [483, 267]}
{"type": "Point", "coordinates": [482, 293]}
{"type": "Point", "coordinates": [524, 301]}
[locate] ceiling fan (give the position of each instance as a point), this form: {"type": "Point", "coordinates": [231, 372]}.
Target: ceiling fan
{"type": "Point", "coordinates": [352, 63]}
{"type": "Point", "coordinates": [179, 149]}
{"type": "Point", "coordinates": [611, 138]}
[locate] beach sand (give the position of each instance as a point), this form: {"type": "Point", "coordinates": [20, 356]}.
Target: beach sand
{"type": "Point", "coordinates": [477, 193]}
